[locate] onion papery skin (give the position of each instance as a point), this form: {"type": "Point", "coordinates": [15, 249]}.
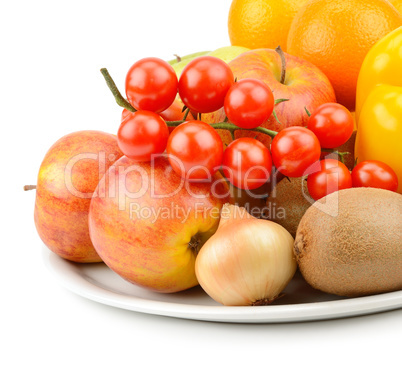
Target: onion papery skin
{"type": "Point", "coordinates": [247, 261]}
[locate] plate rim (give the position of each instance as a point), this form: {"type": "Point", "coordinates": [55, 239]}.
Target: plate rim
{"type": "Point", "coordinates": [302, 312]}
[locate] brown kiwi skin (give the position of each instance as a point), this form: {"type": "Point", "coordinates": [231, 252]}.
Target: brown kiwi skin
{"type": "Point", "coordinates": [287, 203]}
{"type": "Point", "coordinates": [358, 252]}
{"type": "Point", "coordinates": [349, 146]}
{"type": "Point", "coordinates": [255, 200]}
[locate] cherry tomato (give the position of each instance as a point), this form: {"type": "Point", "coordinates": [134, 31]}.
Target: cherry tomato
{"type": "Point", "coordinates": [332, 176]}
{"type": "Point", "coordinates": [124, 114]}
{"type": "Point", "coordinates": [142, 134]}
{"type": "Point", "coordinates": [151, 84]}
{"type": "Point", "coordinates": [247, 163]}
{"type": "Point", "coordinates": [195, 150]}
{"type": "Point", "coordinates": [294, 150]}
{"type": "Point", "coordinates": [204, 82]}
{"type": "Point", "coordinates": [332, 123]}
{"type": "Point", "coordinates": [249, 103]}
{"type": "Point", "coordinates": [374, 174]}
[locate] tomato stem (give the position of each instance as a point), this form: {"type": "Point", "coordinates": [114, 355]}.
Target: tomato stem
{"type": "Point", "coordinates": [186, 114]}
{"type": "Point", "coordinates": [276, 102]}
{"type": "Point", "coordinates": [228, 126]}
{"type": "Point", "coordinates": [174, 123]}
{"type": "Point", "coordinates": [233, 128]}
{"type": "Point", "coordinates": [340, 154]}
{"type": "Point", "coordinates": [232, 133]}
{"type": "Point", "coordinates": [283, 68]}
{"type": "Point", "coordinates": [276, 117]}
{"type": "Point", "coordinates": [121, 101]}
{"type": "Point", "coordinates": [355, 162]}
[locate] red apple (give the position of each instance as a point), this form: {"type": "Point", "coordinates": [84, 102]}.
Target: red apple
{"type": "Point", "coordinates": [68, 176]}
{"type": "Point", "coordinates": [304, 85]}
{"type": "Point", "coordinates": [147, 223]}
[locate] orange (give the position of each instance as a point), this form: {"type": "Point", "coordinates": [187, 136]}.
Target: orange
{"type": "Point", "coordinates": [397, 4]}
{"type": "Point", "coordinates": [261, 23]}
{"type": "Point", "coordinates": [336, 36]}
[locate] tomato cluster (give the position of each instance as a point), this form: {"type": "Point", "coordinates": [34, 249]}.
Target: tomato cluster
{"type": "Point", "coordinates": [195, 149]}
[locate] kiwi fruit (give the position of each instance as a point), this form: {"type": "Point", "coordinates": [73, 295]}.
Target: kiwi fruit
{"type": "Point", "coordinates": [349, 243]}
{"type": "Point", "coordinates": [287, 203]}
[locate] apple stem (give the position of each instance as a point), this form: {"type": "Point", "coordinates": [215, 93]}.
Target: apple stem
{"type": "Point", "coordinates": [121, 101]}
{"type": "Point", "coordinates": [29, 187]}
{"type": "Point", "coordinates": [283, 60]}
{"type": "Point", "coordinates": [178, 58]}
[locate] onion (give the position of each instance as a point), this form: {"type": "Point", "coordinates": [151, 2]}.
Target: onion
{"type": "Point", "coordinates": [247, 261]}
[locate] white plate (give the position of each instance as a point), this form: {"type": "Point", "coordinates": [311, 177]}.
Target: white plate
{"type": "Point", "coordinates": [300, 302]}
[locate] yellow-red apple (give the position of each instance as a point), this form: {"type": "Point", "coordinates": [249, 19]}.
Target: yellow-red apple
{"type": "Point", "coordinates": [302, 83]}
{"type": "Point", "coordinates": [68, 176]}
{"type": "Point", "coordinates": [147, 223]}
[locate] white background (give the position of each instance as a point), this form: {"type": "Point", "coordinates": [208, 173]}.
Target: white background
{"type": "Point", "coordinates": [50, 85]}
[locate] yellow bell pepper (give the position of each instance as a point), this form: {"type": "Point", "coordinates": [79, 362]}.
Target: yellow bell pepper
{"type": "Point", "coordinates": [379, 104]}
{"type": "Point", "coordinates": [382, 65]}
